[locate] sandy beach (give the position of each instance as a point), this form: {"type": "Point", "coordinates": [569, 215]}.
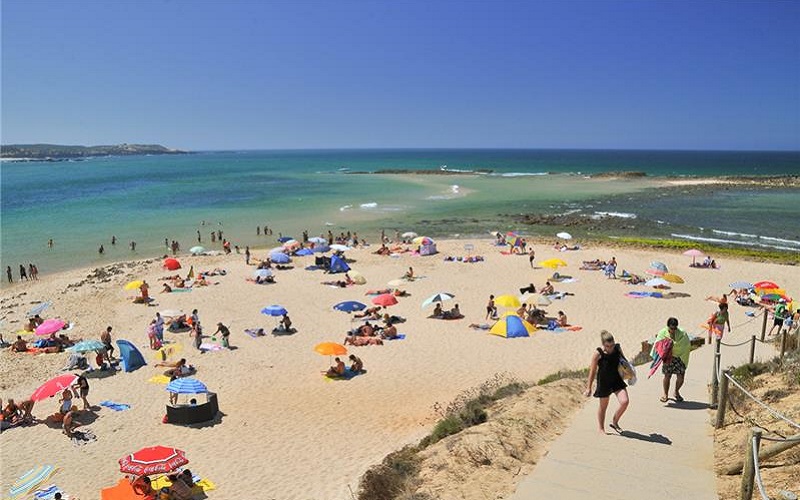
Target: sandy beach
{"type": "Point", "coordinates": [286, 431]}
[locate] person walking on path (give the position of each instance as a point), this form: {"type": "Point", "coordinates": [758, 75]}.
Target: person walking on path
{"type": "Point", "coordinates": [604, 368]}
{"type": "Point", "coordinates": [678, 360]}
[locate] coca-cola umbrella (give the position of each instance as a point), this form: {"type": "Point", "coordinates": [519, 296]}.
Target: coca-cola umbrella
{"type": "Point", "coordinates": [153, 460]}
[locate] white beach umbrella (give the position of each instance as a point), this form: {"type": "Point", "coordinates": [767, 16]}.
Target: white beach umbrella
{"type": "Point", "coordinates": [564, 236]}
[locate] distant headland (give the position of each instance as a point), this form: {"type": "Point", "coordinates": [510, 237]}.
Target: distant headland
{"type": "Point", "coordinates": [56, 152]}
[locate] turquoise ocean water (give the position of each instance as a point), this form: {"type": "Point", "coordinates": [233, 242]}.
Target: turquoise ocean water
{"type": "Point", "coordinates": [82, 204]}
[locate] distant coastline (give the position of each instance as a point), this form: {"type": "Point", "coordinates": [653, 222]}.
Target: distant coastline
{"type": "Point", "coordinates": [58, 152]}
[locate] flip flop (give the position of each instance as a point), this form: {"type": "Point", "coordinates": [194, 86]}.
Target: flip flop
{"type": "Point", "coordinates": [616, 428]}
{"type": "Point", "coordinates": [663, 399]}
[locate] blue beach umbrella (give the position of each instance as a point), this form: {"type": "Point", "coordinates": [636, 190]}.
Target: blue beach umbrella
{"type": "Point", "coordinates": [284, 239]}
{"type": "Point", "coordinates": [186, 385]}
{"type": "Point", "coordinates": [318, 241]}
{"type": "Point", "coordinates": [736, 285]}
{"type": "Point", "coordinates": [279, 258]}
{"type": "Point", "coordinates": [274, 310]}
{"type": "Point", "coordinates": [39, 309]}
{"type": "Point", "coordinates": [659, 265]}
{"type": "Point", "coordinates": [350, 306]}
{"type": "Point", "coordinates": [87, 346]}
{"type": "Point", "coordinates": [304, 252]}
{"type": "Point", "coordinates": [322, 249]}
{"type": "Point", "coordinates": [262, 273]}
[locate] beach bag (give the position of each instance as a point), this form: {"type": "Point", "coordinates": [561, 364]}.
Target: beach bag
{"type": "Point", "coordinates": [627, 371]}
{"type": "Point", "coordinates": [552, 325]}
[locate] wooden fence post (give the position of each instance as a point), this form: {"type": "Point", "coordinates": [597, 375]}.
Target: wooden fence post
{"type": "Point", "coordinates": [722, 400]}
{"type": "Point", "coordinates": [749, 472]}
{"type": "Point", "coordinates": [714, 376]}
{"type": "Point", "coordinates": [764, 324]}
{"type": "Point", "coordinates": [783, 345]}
{"type": "Point", "coordinates": [752, 349]}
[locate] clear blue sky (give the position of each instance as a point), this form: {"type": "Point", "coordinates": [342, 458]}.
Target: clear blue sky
{"type": "Point", "coordinates": [408, 73]}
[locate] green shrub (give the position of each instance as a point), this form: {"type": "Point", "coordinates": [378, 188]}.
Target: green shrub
{"type": "Point", "coordinates": [562, 374]}
{"type": "Point", "coordinates": [390, 478]}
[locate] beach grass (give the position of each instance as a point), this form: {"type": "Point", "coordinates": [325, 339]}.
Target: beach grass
{"type": "Point", "coordinates": [778, 256]}
{"type": "Point", "coordinates": [562, 374]}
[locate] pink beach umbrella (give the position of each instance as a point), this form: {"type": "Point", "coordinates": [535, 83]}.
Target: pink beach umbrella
{"type": "Point", "coordinates": [694, 254]}
{"type": "Point", "coordinates": [49, 326]}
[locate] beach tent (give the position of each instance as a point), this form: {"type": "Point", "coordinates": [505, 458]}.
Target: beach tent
{"type": "Point", "coordinates": [512, 326]}
{"type": "Point", "coordinates": [338, 265]}
{"type": "Point", "coordinates": [428, 249]}
{"type": "Point", "coordinates": [131, 357]}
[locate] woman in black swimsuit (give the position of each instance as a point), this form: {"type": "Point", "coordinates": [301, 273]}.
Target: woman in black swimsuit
{"type": "Point", "coordinates": [605, 367]}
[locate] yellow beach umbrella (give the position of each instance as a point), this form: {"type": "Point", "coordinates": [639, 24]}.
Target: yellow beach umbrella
{"type": "Point", "coordinates": [673, 278]}
{"type": "Point", "coordinates": [330, 349]}
{"type": "Point", "coordinates": [134, 285]}
{"type": "Point", "coordinates": [507, 301]}
{"type": "Point", "coordinates": [553, 263]}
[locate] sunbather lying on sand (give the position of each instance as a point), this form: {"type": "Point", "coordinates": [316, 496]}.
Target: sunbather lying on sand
{"type": "Point", "coordinates": [482, 326]}
{"type": "Point", "coordinates": [178, 368]}
{"type": "Point", "coordinates": [390, 332]}
{"type": "Point", "coordinates": [372, 313]}
{"type": "Point", "coordinates": [362, 341]}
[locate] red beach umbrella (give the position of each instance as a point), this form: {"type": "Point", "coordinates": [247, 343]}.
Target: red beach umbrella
{"type": "Point", "coordinates": [153, 460]}
{"type": "Point", "coordinates": [766, 285]}
{"type": "Point", "coordinates": [384, 300]}
{"type": "Point", "coordinates": [172, 264]}
{"type": "Point", "coordinates": [53, 386]}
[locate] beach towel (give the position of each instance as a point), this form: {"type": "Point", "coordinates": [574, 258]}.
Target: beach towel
{"type": "Point", "coordinates": [49, 493]}
{"type": "Point", "coordinates": [159, 379]}
{"type": "Point", "coordinates": [569, 280]}
{"type": "Point", "coordinates": [348, 374]}
{"type": "Point", "coordinates": [31, 480]}
{"type": "Point", "coordinates": [562, 329]}
{"type": "Point", "coordinates": [641, 295]}
{"type": "Point", "coordinates": [255, 332]}
{"type": "Point", "coordinates": [400, 336]}
{"type": "Point", "coordinates": [115, 406]}
{"type": "Point", "coordinates": [200, 484]}
{"type": "Point", "coordinates": [83, 436]}
{"type": "Point", "coordinates": [207, 346]}
{"type": "Point", "coordinates": [662, 353]}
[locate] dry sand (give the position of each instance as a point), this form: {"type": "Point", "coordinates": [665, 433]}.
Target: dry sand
{"type": "Point", "coordinates": [286, 431]}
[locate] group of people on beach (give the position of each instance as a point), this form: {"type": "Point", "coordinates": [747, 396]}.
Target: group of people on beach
{"type": "Point", "coordinates": [31, 273]}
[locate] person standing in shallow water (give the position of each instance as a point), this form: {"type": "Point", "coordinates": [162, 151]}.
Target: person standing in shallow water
{"type": "Point", "coordinates": [9, 276]}
{"type": "Point", "coordinates": [604, 367]}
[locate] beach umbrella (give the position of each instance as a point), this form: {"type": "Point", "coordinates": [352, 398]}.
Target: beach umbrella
{"type": "Point", "coordinates": [439, 297]}
{"type": "Point", "coordinates": [512, 326]}
{"type": "Point", "coordinates": [659, 265]}
{"type": "Point", "coordinates": [330, 349]}
{"type": "Point", "coordinates": [736, 285]}
{"type": "Point", "coordinates": [422, 240]}
{"type": "Point", "coordinates": [673, 278]}
{"type": "Point", "coordinates": [507, 301]}
{"type": "Point", "coordinates": [172, 264]}
{"type": "Point", "coordinates": [186, 385]}
{"type": "Point", "coordinates": [290, 243]}
{"type": "Point", "coordinates": [765, 285]}
{"type": "Point", "coordinates": [279, 258]}
{"type": "Point", "coordinates": [357, 277]}
{"type": "Point", "coordinates": [87, 346]}
{"type": "Point", "coordinates": [134, 285]}
{"type": "Point", "coordinates": [318, 240]}
{"type": "Point", "coordinates": [304, 251]}
{"type": "Point", "coordinates": [553, 263]}
{"type": "Point", "coordinates": [196, 250]}
{"type": "Point", "coordinates": [543, 301]}
{"type": "Point", "coordinates": [49, 326]}
{"type": "Point", "coordinates": [284, 239]}
{"type": "Point", "coordinates": [153, 460]}
{"type": "Point", "coordinates": [30, 480]}
{"type": "Point", "coordinates": [564, 236]}
{"type": "Point", "coordinates": [409, 234]}
{"type": "Point", "coordinates": [38, 309]}
{"type": "Point", "coordinates": [274, 310]}
{"type": "Point", "coordinates": [322, 249]}
{"type": "Point", "coordinates": [262, 273]}
{"type": "Point", "coordinates": [774, 297]}
{"type": "Point", "coordinates": [340, 248]}
{"type": "Point", "coordinates": [655, 272]}
{"type": "Point", "coordinates": [656, 282]}
{"type": "Point", "coordinates": [53, 386]}
{"type": "Point", "coordinates": [171, 313]}
{"type": "Point", "coordinates": [397, 282]}
{"type": "Point", "coordinates": [277, 250]}
{"type": "Point", "coordinates": [350, 306]}
{"type": "Point", "coordinates": [385, 300]}
{"type": "Point", "coordinates": [694, 254]}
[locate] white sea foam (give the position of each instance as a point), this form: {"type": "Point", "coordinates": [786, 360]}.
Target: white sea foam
{"type": "Point", "coordinates": [368, 206]}
{"type": "Point", "coordinates": [731, 242]}
{"type": "Point", "coordinates": [345, 208]}
{"type": "Point", "coordinates": [524, 174]}
{"type": "Point", "coordinates": [622, 215]}
{"type": "Point", "coordinates": [779, 240]}
{"type": "Point", "coordinates": [732, 233]}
